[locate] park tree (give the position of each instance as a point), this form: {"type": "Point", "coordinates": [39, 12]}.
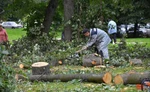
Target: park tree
{"type": "Point", "coordinates": [68, 14]}
{"type": "Point", "coordinates": [3, 5]}
{"type": "Point", "coordinates": [49, 13]}
{"type": "Point", "coordinates": [17, 9]}
{"type": "Point", "coordinates": [140, 13]}
{"type": "Point", "coordinates": [77, 14]}
{"type": "Point", "coordinates": [135, 12]}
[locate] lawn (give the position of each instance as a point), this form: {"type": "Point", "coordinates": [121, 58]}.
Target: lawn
{"type": "Point", "coordinates": [131, 41]}
{"type": "Point", "coordinates": [14, 34]}
{"type": "Point", "coordinates": [76, 85]}
{"type": "Point", "coordinates": [139, 40]}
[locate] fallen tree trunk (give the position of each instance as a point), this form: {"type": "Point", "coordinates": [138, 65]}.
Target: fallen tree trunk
{"type": "Point", "coordinates": [92, 60]}
{"type": "Point", "coordinates": [101, 78]}
{"type": "Point", "coordinates": [97, 78]}
{"type": "Point", "coordinates": [131, 78]}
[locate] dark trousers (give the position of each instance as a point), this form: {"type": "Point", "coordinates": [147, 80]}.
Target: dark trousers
{"type": "Point", "coordinates": [100, 53]}
{"type": "Point", "coordinates": [113, 37]}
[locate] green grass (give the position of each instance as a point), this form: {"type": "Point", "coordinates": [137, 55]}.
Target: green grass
{"type": "Point", "coordinates": [131, 41]}
{"type": "Point", "coordinates": [79, 86]}
{"type": "Point", "coordinates": [145, 40]}
{"type": "Point", "coordinates": [15, 34]}
{"type": "Point", "coordinates": [140, 40]}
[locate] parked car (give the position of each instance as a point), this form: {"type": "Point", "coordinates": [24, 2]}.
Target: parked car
{"type": "Point", "coordinates": [148, 31]}
{"type": "Point", "coordinates": [143, 30]}
{"type": "Point", "coordinates": [129, 30]}
{"type": "Point", "coordinates": [10, 24]}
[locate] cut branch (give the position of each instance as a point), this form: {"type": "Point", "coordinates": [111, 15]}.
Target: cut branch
{"type": "Point", "coordinates": [23, 66]}
{"type": "Point", "coordinates": [20, 77]}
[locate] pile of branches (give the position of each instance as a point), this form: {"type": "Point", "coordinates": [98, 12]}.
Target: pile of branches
{"type": "Point", "coordinates": [45, 48]}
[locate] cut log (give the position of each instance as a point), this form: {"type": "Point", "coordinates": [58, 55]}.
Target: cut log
{"type": "Point", "coordinates": [40, 68]}
{"type": "Point", "coordinates": [23, 66]}
{"type": "Point", "coordinates": [20, 77]}
{"type": "Point", "coordinates": [131, 78]}
{"type": "Point", "coordinates": [92, 60]}
{"type": "Point", "coordinates": [98, 78]}
{"type": "Point", "coordinates": [60, 62]}
{"type": "Point", "coordinates": [136, 62]}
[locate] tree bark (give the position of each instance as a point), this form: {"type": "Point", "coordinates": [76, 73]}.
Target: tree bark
{"type": "Point", "coordinates": [1, 11]}
{"type": "Point", "coordinates": [40, 68]}
{"type": "Point", "coordinates": [131, 78]}
{"type": "Point", "coordinates": [98, 78]}
{"type": "Point", "coordinates": [68, 13]}
{"type": "Point", "coordinates": [91, 60]}
{"type": "Point", "coordinates": [50, 11]}
{"type": "Point", "coordinates": [135, 29]}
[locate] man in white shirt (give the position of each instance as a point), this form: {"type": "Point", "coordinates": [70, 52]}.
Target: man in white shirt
{"type": "Point", "coordinates": [112, 30]}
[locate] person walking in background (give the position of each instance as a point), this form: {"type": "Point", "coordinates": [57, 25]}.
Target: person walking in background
{"type": "Point", "coordinates": [3, 36]}
{"type": "Point", "coordinates": [100, 39]}
{"type": "Point", "coordinates": [112, 31]}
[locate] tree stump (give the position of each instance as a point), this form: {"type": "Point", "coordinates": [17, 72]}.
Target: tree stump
{"type": "Point", "coordinates": [131, 78]}
{"type": "Point", "coordinates": [92, 60]}
{"type": "Point", "coordinates": [40, 68]}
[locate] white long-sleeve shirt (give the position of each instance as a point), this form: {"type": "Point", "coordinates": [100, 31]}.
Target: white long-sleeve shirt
{"type": "Point", "coordinates": [112, 27]}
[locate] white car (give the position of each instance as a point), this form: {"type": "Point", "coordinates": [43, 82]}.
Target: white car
{"type": "Point", "coordinates": [10, 24]}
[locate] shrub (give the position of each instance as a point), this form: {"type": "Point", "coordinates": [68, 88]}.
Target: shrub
{"type": "Point", "coordinates": [6, 77]}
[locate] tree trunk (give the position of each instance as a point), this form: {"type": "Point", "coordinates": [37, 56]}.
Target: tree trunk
{"type": "Point", "coordinates": [131, 78]}
{"type": "Point", "coordinates": [68, 13]}
{"type": "Point", "coordinates": [101, 78]}
{"type": "Point", "coordinates": [50, 11]}
{"type": "Point", "coordinates": [135, 29]}
{"type": "Point", "coordinates": [91, 60]}
{"type": "Point", "coordinates": [1, 11]}
{"type": "Point", "coordinates": [40, 68]}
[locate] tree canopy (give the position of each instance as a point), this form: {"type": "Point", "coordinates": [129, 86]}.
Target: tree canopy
{"type": "Point", "coordinates": [87, 13]}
